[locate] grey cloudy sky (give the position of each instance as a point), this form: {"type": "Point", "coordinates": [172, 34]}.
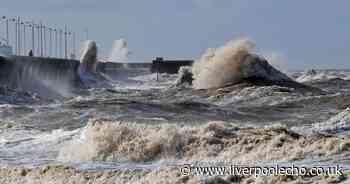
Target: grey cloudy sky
{"type": "Point", "coordinates": [308, 34]}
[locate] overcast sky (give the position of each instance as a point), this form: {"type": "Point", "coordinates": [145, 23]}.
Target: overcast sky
{"type": "Point", "coordinates": [307, 34]}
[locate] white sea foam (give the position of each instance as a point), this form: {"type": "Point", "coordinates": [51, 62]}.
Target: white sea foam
{"type": "Point", "coordinates": [117, 141]}
{"type": "Point", "coordinates": [32, 147]}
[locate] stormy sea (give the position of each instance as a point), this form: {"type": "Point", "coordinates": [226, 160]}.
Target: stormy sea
{"type": "Point", "coordinates": [232, 107]}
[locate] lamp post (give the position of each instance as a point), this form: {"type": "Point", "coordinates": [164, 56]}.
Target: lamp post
{"type": "Point", "coordinates": [44, 41]}
{"type": "Point", "coordinates": [19, 34]}
{"type": "Point", "coordinates": [38, 39]}
{"type": "Point", "coordinates": [56, 43]}
{"type": "Point", "coordinates": [16, 34]}
{"type": "Point", "coordinates": [6, 29]}
{"type": "Point", "coordinates": [41, 40]}
{"type": "Point", "coordinates": [68, 47]}
{"type": "Point", "coordinates": [24, 38]}
{"type": "Point", "coordinates": [32, 26]}
{"type": "Point", "coordinates": [74, 46]}
{"type": "Point", "coordinates": [50, 42]}
{"type": "Point", "coordinates": [65, 41]}
{"type": "Point", "coordinates": [7, 32]}
{"type": "Point", "coordinates": [60, 43]}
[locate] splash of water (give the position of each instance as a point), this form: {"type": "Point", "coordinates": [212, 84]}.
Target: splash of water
{"type": "Point", "coordinates": [234, 63]}
{"type": "Point", "coordinates": [120, 51]}
{"type": "Point", "coordinates": [88, 57]}
{"type": "Point", "coordinates": [88, 67]}
{"type": "Point", "coordinates": [218, 67]}
{"type": "Point", "coordinates": [277, 60]}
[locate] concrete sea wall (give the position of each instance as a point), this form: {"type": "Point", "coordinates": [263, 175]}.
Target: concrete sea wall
{"type": "Point", "coordinates": [45, 76]}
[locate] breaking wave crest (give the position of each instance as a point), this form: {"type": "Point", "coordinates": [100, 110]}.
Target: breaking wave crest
{"type": "Point", "coordinates": [218, 67]}
{"type": "Point", "coordinates": [116, 141]}
{"type": "Point", "coordinates": [235, 63]}
{"type": "Point", "coordinates": [87, 71]}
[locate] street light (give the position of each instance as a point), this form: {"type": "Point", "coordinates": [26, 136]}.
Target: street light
{"type": "Point", "coordinates": [65, 42]}
{"type": "Point", "coordinates": [50, 42]}
{"type": "Point", "coordinates": [24, 37]}
{"type": "Point", "coordinates": [16, 34]}
{"type": "Point", "coordinates": [7, 32]}
{"type": "Point", "coordinates": [6, 29]}
{"type": "Point", "coordinates": [74, 46]}
{"type": "Point", "coordinates": [39, 45]}
{"type": "Point", "coordinates": [60, 42]}
{"type": "Point", "coordinates": [44, 41]}
{"type": "Point", "coordinates": [32, 27]}
{"type": "Point", "coordinates": [19, 35]}
{"type": "Point", "coordinates": [69, 33]}
{"type": "Point", "coordinates": [56, 43]}
{"type": "Point", "coordinates": [41, 40]}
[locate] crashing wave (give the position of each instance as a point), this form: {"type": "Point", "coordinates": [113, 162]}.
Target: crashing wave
{"type": "Point", "coordinates": [185, 76]}
{"type": "Point", "coordinates": [88, 67]}
{"type": "Point", "coordinates": [232, 64]}
{"type": "Point", "coordinates": [115, 141]}
{"type": "Point", "coordinates": [120, 51]}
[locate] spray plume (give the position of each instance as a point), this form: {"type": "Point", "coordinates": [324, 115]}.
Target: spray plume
{"type": "Point", "coordinates": [120, 51]}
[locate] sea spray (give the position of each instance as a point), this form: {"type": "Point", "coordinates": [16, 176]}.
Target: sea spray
{"type": "Point", "coordinates": [120, 51]}
{"type": "Point", "coordinates": [232, 64]}
{"type": "Point", "coordinates": [277, 60]}
{"type": "Point", "coordinates": [87, 71]}
{"type": "Point", "coordinates": [218, 67]}
{"type": "Point", "coordinates": [88, 59]}
{"type": "Point", "coordinates": [185, 76]}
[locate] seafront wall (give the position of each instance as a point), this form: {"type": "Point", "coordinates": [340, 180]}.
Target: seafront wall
{"type": "Point", "coordinates": [52, 77]}
{"type": "Point", "coordinates": [39, 75]}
